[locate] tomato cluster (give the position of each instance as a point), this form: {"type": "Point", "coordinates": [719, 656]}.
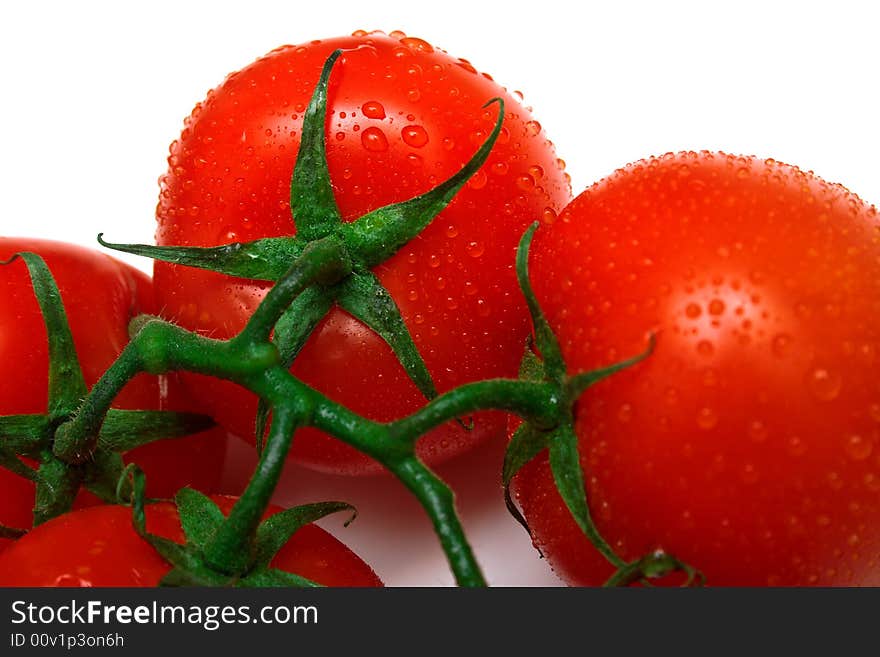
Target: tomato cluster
{"type": "Point", "coordinates": [745, 444]}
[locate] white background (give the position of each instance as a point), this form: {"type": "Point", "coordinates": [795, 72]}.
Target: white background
{"type": "Point", "coordinates": [92, 94]}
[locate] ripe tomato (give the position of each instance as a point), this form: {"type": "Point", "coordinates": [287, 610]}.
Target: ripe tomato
{"type": "Point", "coordinates": [405, 116]}
{"type": "Point", "coordinates": [100, 296]}
{"type": "Point", "coordinates": [101, 548]}
{"type": "Point", "coordinates": [748, 443]}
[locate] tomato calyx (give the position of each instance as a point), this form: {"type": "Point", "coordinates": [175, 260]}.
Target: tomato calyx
{"type": "Point", "coordinates": [97, 463]}
{"type": "Point", "coordinates": [655, 565]}
{"type": "Point", "coordinates": [367, 242]}
{"type": "Point", "coordinates": [197, 562]}
{"type": "Point", "coordinates": [543, 363]}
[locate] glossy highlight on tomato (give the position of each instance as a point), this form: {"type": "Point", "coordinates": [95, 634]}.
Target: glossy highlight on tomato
{"type": "Point", "coordinates": [101, 548]}
{"type": "Point", "coordinates": [748, 443]}
{"type": "Point", "coordinates": [100, 295]}
{"type": "Point", "coordinates": [402, 117]}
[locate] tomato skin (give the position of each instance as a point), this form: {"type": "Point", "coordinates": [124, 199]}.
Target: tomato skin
{"type": "Point", "coordinates": [100, 296]}
{"type": "Point", "coordinates": [405, 116]}
{"type": "Point", "coordinates": [101, 548]}
{"type": "Point", "coordinates": [748, 443]}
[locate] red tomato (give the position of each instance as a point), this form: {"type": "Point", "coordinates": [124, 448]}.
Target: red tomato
{"type": "Point", "coordinates": [748, 443]}
{"type": "Point", "coordinates": [405, 116]}
{"type": "Point", "coordinates": [100, 296]}
{"type": "Point", "coordinates": [101, 548]}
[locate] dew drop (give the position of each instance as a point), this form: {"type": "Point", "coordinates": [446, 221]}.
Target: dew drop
{"type": "Point", "coordinates": [414, 135]}
{"type": "Point", "coordinates": [824, 384]}
{"type": "Point", "coordinates": [434, 261]}
{"type": "Point", "coordinates": [857, 448]}
{"type": "Point", "coordinates": [716, 307]}
{"type": "Point", "coordinates": [451, 230]}
{"type": "Point", "coordinates": [757, 431]}
{"type": "Point", "coordinates": [749, 475]}
{"type": "Point", "coordinates": [417, 44]}
{"type": "Point", "coordinates": [500, 168]}
{"type": "Point", "coordinates": [707, 418]}
{"type": "Point", "coordinates": [373, 139]}
{"type": "Point", "coordinates": [373, 109]}
{"type": "Point", "coordinates": [693, 310]}
{"type": "Point", "coordinates": [780, 345]}
{"type": "Point", "coordinates": [475, 249]}
{"type": "Point", "coordinates": [705, 348]}
{"type": "Point", "coordinates": [478, 180]}
{"type": "Point", "coordinates": [533, 128]}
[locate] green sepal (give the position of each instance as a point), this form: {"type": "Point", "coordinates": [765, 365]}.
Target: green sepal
{"type": "Point", "coordinates": [274, 532]}
{"type": "Point", "coordinates": [57, 484]}
{"type": "Point", "coordinates": [9, 460]}
{"type": "Point", "coordinates": [291, 333]}
{"type": "Point", "coordinates": [11, 533]}
{"type": "Point", "coordinates": [193, 573]}
{"type": "Point", "coordinates": [378, 235]}
{"type": "Point", "coordinates": [124, 430]}
{"type": "Point", "coordinates": [67, 386]}
{"type": "Point", "coordinates": [525, 444]}
{"type": "Point", "coordinates": [545, 339]}
{"type": "Point", "coordinates": [265, 259]}
{"type": "Point", "coordinates": [655, 565]}
{"type": "Point", "coordinates": [102, 475]}
{"type": "Point", "coordinates": [25, 434]}
{"type": "Point", "coordinates": [580, 382]}
{"type": "Point", "coordinates": [199, 516]}
{"type": "Point", "coordinates": [312, 201]}
{"type": "Point", "coordinates": [272, 577]}
{"type": "Point", "coordinates": [531, 367]}
{"type": "Point", "coordinates": [569, 478]}
{"type": "Point", "coordinates": [364, 297]}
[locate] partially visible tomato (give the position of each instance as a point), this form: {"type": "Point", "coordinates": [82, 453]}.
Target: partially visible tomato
{"type": "Point", "coordinates": [100, 296]}
{"type": "Point", "coordinates": [748, 443]}
{"type": "Point", "coordinates": [403, 117]}
{"type": "Point", "coordinates": [101, 548]}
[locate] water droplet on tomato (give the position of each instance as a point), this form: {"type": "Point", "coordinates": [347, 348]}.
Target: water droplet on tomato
{"type": "Point", "coordinates": [373, 109]}
{"type": "Point", "coordinates": [716, 307]}
{"type": "Point", "coordinates": [693, 310]}
{"type": "Point", "coordinates": [705, 348]}
{"type": "Point", "coordinates": [475, 249]}
{"type": "Point", "coordinates": [749, 474]}
{"type": "Point", "coordinates": [533, 128]}
{"type": "Point", "coordinates": [707, 418]}
{"type": "Point", "coordinates": [757, 431]}
{"type": "Point", "coordinates": [478, 180]}
{"type": "Point", "coordinates": [417, 44]}
{"type": "Point", "coordinates": [858, 448]}
{"type": "Point", "coordinates": [796, 446]}
{"type": "Point", "coordinates": [434, 261]}
{"type": "Point", "coordinates": [451, 231]}
{"type": "Point", "coordinates": [500, 168]}
{"type": "Point", "coordinates": [414, 135]}
{"type": "Point", "coordinates": [780, 345]}
{"type": "Point", "coordinates": [824, 384]}
{"type": "Point", "coordinates": [373, 139]}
